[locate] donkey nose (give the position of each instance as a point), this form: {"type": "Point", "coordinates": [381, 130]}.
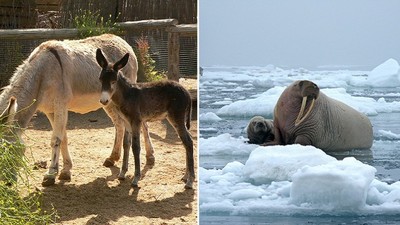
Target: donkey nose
{"type": "Point", "coordinates": [104, 101]}
{"type": "Point", "coordinates": [104, 98]}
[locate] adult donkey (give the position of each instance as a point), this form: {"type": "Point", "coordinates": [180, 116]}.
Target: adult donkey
{"type": "Point", "coordinates": [62, 76]}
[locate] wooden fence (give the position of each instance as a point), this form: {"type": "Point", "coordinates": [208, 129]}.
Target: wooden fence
{"type": "Point", "coordinates": [175, 32]}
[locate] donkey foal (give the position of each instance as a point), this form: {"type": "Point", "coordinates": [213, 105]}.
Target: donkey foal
{"type": "Point", "coordinates": [138, 103]}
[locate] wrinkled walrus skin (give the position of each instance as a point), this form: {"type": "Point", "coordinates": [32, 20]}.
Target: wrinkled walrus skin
{"type": "Point", "coordinates": [324, 122]}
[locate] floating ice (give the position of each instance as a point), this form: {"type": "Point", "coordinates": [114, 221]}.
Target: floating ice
{"type": "Point", "coordinates": [225, 144]}
{"type": "Point", "coordinates": [387, 135]}
{"type": "Point", "coordinates": [293, 179]}
{"type": "Point", "coordinates": [209, 117]}
{"type": "Point", "coordinates": [310, 183]}
{"type": "Point", "coordinates": [270, 76]}
{"type": "Point", "coordinates": [264, 104]}
{"type": "Point", "coordinates": [340, 185]}
{"type": "Point", "coordinates": [385, 75]}
{"type": "Point", "coordinates": [279, 163]}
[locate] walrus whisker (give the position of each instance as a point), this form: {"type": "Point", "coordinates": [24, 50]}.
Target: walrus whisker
{"type": "Point", "coordinates": [303, 104]}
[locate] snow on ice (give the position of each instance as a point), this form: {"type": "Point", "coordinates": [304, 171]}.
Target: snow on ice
{"type": "Point", "coordinates": [209, 117]}
{"type": "Point", "coordinates": [294, 179]}
{"type": "Point", "coordinates": [264, 104]}
{"type": "Point", "coordinates": [385, 75]}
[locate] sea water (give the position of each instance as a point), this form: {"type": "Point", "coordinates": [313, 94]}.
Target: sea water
{"type": "Point", "coordinates": [245, 183]}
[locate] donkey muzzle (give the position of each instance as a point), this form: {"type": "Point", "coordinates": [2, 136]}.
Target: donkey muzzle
{"type": "Point", "coordinates": [104, 98]}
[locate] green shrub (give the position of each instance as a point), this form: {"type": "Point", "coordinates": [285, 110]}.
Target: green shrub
{"type": "Point", "coordinates": [91, 23]}
{"type": "Point", "coordinates": [147, 70]}
{"type": "Point", "coordinates": [14, 173]}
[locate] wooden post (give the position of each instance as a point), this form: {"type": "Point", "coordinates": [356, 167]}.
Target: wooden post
{"type": "Point", "coordinates": [173, 56]}
{"type": "Point", "coordinates": [174, 33]}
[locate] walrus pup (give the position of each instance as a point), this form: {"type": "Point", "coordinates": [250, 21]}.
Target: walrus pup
{"type": "Point", "coordinates": [304, 115]}
{"type": "Point", "coordinates": [260, 130]}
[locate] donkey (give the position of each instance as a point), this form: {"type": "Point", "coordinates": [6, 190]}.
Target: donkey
{"type": "Point", "coordinates": [141, 102]}
{"type": "Point", "coordinates": [63, 75]}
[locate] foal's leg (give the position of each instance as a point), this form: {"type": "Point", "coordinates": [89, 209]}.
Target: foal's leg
{"type": "Point", "coordinates": [58, 122]}
{"type": "Point", "coordinates": [119, 135]}
{"type": "Point", "coordinates": [136, 152]}
{"type": "Point", "coordinates": [148, 145]}
{"type": "Point", "coordinates": [125, 158]}
{"type": "Point", "coordinates": [178, 123]}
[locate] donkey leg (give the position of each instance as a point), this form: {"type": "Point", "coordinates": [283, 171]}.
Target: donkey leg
{"type": "Point", "coordinates": [148, 145]}
{"type": "Point", "coordinates": [136, 153]}
{"type": "Point", "coordinates": [58, 121]}
{"type": "Point", "coordinates": [119, 135]}
{"type": "Point", "coordinates": [125, 158]}
{"type": "Point", "coordinates": [187, 141]}
{"type": "Point", "coordinates": [65, 173]}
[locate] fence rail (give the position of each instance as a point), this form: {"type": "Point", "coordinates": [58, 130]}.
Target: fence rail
{"type": "Point", "coordinates": [175, 32]}
{"type": "Point", "coordinates": [40, 33]}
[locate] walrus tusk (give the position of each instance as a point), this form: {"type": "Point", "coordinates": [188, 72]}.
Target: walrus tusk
{"type": "Point", "coordinates": [303, 105]}
{"type": "Point", "coordinates": [299, 120]}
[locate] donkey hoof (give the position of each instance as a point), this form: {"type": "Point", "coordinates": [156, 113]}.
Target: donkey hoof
{"type": "Point", "coordinates": [48, 181]}
{"type": "Point", "coordinates": [121, 177]}
{"type": "Point", "coordinates": [65, 175]}
{"type": "Point", "coordinates": [188, 186]}
{"type": "Point", "coordinates": [184, 178]}
{"type": "Point", "coordinates": [150, 160]}
{"type": "Point", "coordinates": [134, 185]}
{"type": "Point", "coordinates": [108, 163]}
{"type": "Point", "coordinates": [135, 182]}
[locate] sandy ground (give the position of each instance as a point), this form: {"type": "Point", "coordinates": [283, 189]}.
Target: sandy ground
{"type": "Point", "coordinates": [95, 195]}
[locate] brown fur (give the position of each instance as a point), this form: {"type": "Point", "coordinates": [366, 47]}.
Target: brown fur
{"type": "Point", "coordinates": [142, 102]}
{"type": "Point", "coordinates": [62, 76]}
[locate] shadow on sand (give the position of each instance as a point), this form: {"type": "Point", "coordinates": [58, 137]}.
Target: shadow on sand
{"type": "Point", "coordinates": [108, 204]}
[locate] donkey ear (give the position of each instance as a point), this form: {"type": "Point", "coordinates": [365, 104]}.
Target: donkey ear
{"type": "Point", "coordinates": [121, 63]}
{"type": "Point", "coordinates": [101, 60]}
{"type": "Point", "coordinates": [8, 114]}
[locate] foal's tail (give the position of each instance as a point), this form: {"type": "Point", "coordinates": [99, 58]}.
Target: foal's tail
{"type": "Point", "coordinates": [189, 113]}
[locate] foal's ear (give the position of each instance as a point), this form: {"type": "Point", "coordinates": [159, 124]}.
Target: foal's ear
{"type": "Point", "coordinates": [101, 60]}
{"type": "Point", "coordinates": [8, 114]}
{"type": "Point", "coordinates": [121, 63]}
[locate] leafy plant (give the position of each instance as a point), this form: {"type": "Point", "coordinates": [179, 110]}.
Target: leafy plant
{"type": "Point", "coordinates": [91, 23]}
{"type": "Point", "coordinates": [147, 70]}
{"type": "Point", "coordinates": [14, 172]}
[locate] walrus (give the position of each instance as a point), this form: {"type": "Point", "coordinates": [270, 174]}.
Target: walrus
{"type": "Point", "coordinates": [304, 115]}
{"type": "Point", "coordinates": [260, 130]}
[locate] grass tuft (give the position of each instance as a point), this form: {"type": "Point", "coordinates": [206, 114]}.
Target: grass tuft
{"type": "Point", "coordinates": [16, 208]}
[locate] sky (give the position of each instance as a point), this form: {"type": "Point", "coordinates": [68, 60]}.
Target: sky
{"type": "Point", "coordinates": [312, 34]}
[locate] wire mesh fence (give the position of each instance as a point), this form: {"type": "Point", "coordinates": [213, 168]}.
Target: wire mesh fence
{"type": "Point", "coordinates": [25, 14]}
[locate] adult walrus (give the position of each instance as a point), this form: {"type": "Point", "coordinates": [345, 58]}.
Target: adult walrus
{"type": "Point", "coordinates": [304, 115]}
{"type": "Point", "coordinates": [260, 130]}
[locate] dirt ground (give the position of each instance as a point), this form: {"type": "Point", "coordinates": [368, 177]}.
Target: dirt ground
{"type": "Point", "coordinates": [95, 195]}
